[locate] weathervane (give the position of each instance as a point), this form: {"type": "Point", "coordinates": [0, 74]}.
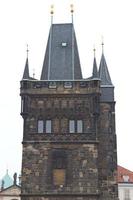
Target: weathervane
{"type": "Point", "coordinates": [72, 11]}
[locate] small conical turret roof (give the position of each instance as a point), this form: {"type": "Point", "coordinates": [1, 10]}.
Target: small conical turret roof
{"type": "Point", "coordinates": [26, 70]}
{"type": "Point", "coordinates": [95, 70]}
{"type": "Point", "coordinates": [104, 72]}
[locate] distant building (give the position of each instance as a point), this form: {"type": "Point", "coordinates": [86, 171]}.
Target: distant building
{"type": "Point", "coordinates": [11, 193]}
{"type": "Point", "coordinates": [125, 183]}
{"type": "Point", "coordinates": [9, 188]}
{"type": "Point", "coordinates": [6, 181]}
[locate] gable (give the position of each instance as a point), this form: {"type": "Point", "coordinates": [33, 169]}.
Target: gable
{"type": "Point", "coordinates": [13, 190]}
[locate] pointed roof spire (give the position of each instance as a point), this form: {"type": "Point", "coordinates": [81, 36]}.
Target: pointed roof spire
{"type": "Point", "coordinates": [95, 71]}
{"type": "Point", "coordinates": [26, 70]}
{"type": "Point", "coordinates": [61, 60]}
{"type": "Point", "coordinates": [103, 71]}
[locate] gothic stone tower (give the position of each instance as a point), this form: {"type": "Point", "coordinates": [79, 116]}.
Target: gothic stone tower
{"type": "Point", "coordinates": [69, 140]}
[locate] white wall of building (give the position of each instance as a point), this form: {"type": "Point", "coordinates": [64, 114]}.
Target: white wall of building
{"type": "Point", "coordinates": [125, 191]}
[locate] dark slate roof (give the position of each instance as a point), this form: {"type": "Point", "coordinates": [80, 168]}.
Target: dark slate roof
{"type": "Point", "coordinates": [95, 71]}
{"type": "Point", "coordinates": [61, 60]}
{"type": "Point", "coordinates": [26, 70]}
{"type": "Point", "coordinates": [104, 73]}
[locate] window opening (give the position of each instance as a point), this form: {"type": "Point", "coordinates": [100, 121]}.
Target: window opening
{"type": "Point", "coordinates": [71, 126]}
{"type": "Point", "coordinates": [79, 126]}
{"type": "Point", "coordinates": [75, 126]}
{"type": "Point", "coordinates": [63, 44]}
{"type": "Point", "coordinates": [48, 126]}
{"type": "Point", "coordinates": [52, 85]}
{"type": "Point", "coordinates": [40, 126]}
{"type": "Point", "coordinates": [67, 84]}
{"type": "Point", "coordinates": [127, 194]}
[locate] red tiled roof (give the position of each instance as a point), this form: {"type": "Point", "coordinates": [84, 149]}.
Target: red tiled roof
{"type": "Point", "coordinates": [124, 172]}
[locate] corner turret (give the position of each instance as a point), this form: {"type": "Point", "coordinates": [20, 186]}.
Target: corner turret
{"type": "Point", "coordinates": [107, 88]}
{"type": "Point", "coordinates": [95, 70]}
{"type": "Point", "coordinates": [26, 70]}
{"type": "Point", "coordinates": [104, 73]}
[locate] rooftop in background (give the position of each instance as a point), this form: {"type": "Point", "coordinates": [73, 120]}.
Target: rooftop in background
{"type": "Point", "coordinates": [124, 175]}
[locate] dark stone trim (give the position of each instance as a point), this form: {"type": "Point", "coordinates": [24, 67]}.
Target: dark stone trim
{"type": "Point", "coordinates": [62, 142]}
{"type": "Point", "coordinates": [64, 194]}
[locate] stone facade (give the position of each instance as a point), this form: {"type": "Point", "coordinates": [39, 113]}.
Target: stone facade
{"type": "Point", "coordinates": [60, 164]}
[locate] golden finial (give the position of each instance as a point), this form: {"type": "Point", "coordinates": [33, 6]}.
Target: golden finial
{"type": "Point", "coordinates": [33, 73]}
{"type": "Point", "coordinates": [102, 44]}
{"type": "Point", "coordinates": [27, 50]}
{"type": "Point", "coordinates": [72, 8]}
{"type": "Point", "coordinates": [72, 11]}
{"type": "Point", "coordinates": [94, 50]}
{"type": "Point", "coordinates": [52, 10]}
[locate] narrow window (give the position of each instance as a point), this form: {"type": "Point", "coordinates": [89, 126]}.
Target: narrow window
{"type": "Point", "coordinates": [48, 126]}
{"type": "Point", "coordinates": [79, 126]}
{"type": "Point", "coordinates": [40, 126]}
{"type": "Point", "coordinates": [22, 105]}
{"type": "Point", "coordinates": [71, 126]}
{"type": "Point", "coordinates": [127, 194]}
{"type": "Point", "coordinates": [75, 126]}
